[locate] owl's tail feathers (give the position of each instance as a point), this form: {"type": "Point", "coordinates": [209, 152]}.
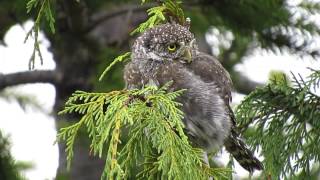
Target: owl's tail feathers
{"type": "Point", "coordinates": [241, 153]}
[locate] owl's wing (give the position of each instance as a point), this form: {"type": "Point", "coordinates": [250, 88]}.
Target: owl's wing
{"type": "Point", "coordinates": [210, 70]}
{"type": "Point", "coordinates": [132, 76]}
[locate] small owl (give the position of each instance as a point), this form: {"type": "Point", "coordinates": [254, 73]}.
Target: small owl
{"type": "Point", "coordinates": [169, 52]}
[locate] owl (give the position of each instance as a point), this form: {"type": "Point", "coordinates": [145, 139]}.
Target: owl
{"type": "Point", "coordinates": [169, 52]}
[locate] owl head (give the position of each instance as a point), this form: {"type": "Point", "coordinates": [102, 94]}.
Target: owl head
{"type": "Point", "coordinates": [165, 42]}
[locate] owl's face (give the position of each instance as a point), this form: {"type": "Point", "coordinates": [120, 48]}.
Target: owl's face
{"type": "Point", "coordinates": [166, 42]}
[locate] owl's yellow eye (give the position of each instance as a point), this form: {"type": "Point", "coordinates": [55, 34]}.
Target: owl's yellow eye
{"type": "Point", "coordinates": [172, 47]}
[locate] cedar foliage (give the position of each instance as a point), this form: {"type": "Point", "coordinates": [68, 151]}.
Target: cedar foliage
{"type": "Point", "coordinates": [285, 124]}
{"type": "Point", "coordinates": [155, 130]}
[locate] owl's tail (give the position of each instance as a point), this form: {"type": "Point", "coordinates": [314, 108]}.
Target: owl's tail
{"type": "Point", "coordinates": [241, 153]}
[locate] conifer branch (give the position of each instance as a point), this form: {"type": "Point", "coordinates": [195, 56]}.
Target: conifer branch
{"type": "Point", "coordinates": [155, 132]}
{"type": "Point", "coordinates": [44, 10]}
{"type": "Point", "coordinates": [120, 58]}
{"type": "Point", "coordinates": [288, 116]}
{"type": "Point", "coordinates": [160, 14]}
{"type": "Point", "coordinates": [99, 18]}
{"type": "Point", "coordinates": [41, 76]}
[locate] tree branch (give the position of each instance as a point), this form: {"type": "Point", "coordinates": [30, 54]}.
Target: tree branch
{"type": "Point", "coordinates": [42, 76]}
{"type": "Point", "coordinates": [100, 17]}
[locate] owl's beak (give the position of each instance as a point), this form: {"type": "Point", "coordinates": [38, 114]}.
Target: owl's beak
{"type": "Point", "coordinates": [187, 54]}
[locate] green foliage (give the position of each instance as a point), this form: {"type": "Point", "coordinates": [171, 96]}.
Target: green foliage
{"type": "Point", "coordinates": [174, 10]}
{"type": "Point", "coordinates": [45, 10]}
{"type": "Point", "coordinates": [143, 1]}
{"type": "Point", "coordinates": [9, 169]}
{"type": "Point", "coordinates": [286, 125]}
{"type": "Point", "coordinates": [278, 77]}
{"type": "Point", "coordinates": [155, 130]}
{"type": "Point", "coordinates": [113, 79]}
{"type": "Point", "coordinates": [120, 58]}
{"type": "Point", "coordinates": [158, 15]}
{"type": "Point", "coordinates": [312, 6]}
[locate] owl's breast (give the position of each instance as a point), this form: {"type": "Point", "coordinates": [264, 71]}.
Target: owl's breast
{"type": "Point", "coordinates": [159, 73]}
{"type": "Point", "coordinates": [206, 115]}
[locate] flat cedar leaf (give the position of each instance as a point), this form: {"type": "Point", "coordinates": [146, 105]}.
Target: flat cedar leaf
{"type": "Point", "coordinates": [175, 10]}
{"type": "Point", "coordinates": [45, 9]}
{"type": "Point", "coordinates": [31, 4]}
{"type": "Point", "coordinates": [120, 58]}
{"type": "Point", "coordinates": [156, 17]}
{"type": "Point", "coordinates": [49, 17]}
{"type": "Point", "coordinates": [143, 1]}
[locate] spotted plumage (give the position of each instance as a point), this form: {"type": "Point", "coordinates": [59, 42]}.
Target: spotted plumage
{"type": "Point", "coordinates": [169, 52]}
